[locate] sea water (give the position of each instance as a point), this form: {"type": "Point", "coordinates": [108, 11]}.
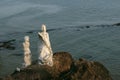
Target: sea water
{"type": "Point", "coordinates": [83, 28]}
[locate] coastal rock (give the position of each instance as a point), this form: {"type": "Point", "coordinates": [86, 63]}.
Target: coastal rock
{"type": "Point", "coordinates": [116, 24]}
{"type": "Point", "coordinates": [89, 70]}
{"type": "Point", "coordinates": [64, 68]}
{"type": "Point", "coordinates": [7, 44]}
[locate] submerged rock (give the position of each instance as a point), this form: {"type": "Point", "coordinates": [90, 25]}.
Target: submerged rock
{"type": "Point", "coordinates": [116, 24]}
{"type": "Point", "coordinates": [64, 68]}
{"type": "Point", "coordinates": [8, 44]}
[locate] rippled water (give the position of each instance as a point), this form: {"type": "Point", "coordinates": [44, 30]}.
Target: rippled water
{"type": "Point", "coordinates": [82, 27]}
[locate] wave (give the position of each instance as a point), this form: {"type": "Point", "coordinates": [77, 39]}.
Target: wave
{"type": "Point", "coordinates": [26, 9]}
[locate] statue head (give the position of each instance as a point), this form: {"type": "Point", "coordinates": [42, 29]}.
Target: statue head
{"type": "Point", "coordinates": [43, 28]}
{"type": "Point", "coordinates": [26, 38]}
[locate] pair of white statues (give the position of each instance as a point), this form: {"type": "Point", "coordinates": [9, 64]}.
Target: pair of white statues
{"type": "Point", "coordinates": [45, 50]}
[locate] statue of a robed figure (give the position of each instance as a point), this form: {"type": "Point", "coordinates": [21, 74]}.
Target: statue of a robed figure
{"type": "Point", "coordinates": [45, 50]}
{"type": "Point", "coordinates": [27, 52]}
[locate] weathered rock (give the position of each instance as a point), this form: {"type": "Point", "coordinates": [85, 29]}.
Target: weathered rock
{"type": "Point", "coordinates": [7, 44]}
{"type": "Point", "coordinates": [89, 70]}
{"type": "Point", "coordinates": [64, 68]}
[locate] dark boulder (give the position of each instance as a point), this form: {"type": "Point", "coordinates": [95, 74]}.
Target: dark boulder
{"type": "Point", "coordinates": [64, 68]}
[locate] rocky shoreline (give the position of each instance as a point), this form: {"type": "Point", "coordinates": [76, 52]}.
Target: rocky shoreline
{"type": "Point", "coordinates": [64, 68]}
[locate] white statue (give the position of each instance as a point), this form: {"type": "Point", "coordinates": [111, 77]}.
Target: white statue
{"type": "Point", "coordinates": [46, 54]}
{"type": "Point", "coordinates": [27, 52]}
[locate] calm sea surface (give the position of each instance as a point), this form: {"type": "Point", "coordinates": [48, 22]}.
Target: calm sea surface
{"type": "Point", "coordinates": [82, 27]}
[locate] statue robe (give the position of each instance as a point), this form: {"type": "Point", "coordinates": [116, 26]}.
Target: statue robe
{"type": "Point", "coordinates": [27, 52]}
{"type": "Point", "coordinates": [46, 53]}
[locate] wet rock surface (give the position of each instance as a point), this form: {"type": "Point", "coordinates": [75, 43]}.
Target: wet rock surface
{"type": "Point", "coordinates": [64, 68]}
{"type": "Point", "coordinates": [116, 24]}
{"type": "Point", "coordinates": [7, 44]}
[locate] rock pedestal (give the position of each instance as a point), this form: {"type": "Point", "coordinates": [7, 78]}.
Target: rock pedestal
{"type": "Point", "coordinates": [64, 68]}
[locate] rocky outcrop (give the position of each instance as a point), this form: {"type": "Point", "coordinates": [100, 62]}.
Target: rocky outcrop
{"type": "Point", "coordinates": [89, 70]}
{"type": "Point", "coordinates": [64, 68]}
{"type": "Point", "coordinates": [116, 24]}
